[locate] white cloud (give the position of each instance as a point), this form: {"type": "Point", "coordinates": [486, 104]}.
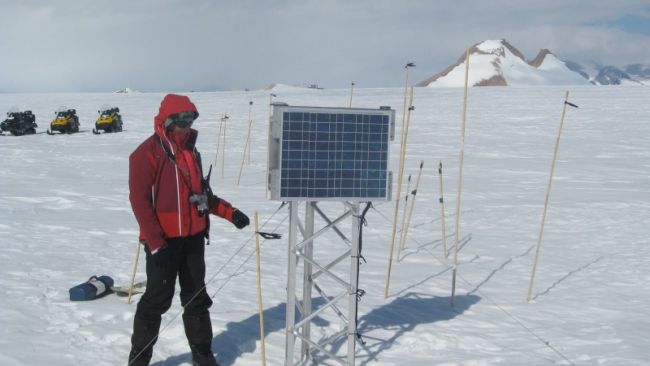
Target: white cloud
{"type": "Point", "coordinates": [202, 44]}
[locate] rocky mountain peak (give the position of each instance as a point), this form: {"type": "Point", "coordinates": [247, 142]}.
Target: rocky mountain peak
{"type": "Point", "coordinates": [539, 59]}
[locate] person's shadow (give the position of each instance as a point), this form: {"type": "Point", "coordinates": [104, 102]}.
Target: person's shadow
{"type": "Point", "coordinates": [242, 336]}
{"type": "Point", "coordinates": [400, 316]}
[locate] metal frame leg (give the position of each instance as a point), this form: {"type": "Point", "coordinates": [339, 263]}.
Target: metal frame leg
{"type": "Point", "coordinates": [307, 284]}
{"type": "Point", "coordinates": [354, 276]}
{"type": "Point", "coordinates": [291, 284]}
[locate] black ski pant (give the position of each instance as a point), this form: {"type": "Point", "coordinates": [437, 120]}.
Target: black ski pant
{"type": "Point", "coordinates": [187, 262]}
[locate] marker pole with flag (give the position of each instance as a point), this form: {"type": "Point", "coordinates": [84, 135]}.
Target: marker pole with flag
{"type": "Point", "coordinates": [548, 193]}
{"type": "Point", "coordinates": [248, 136]}
{"type": "Point", "coordinates": [224, 121]}
{"type": "Point", "coordinates": [216, 156]}
{"type": "Point", "coordinates": [400, 175]}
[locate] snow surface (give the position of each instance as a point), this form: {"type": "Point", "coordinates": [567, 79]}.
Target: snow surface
{"type": "Point", "coordinates": [499, 61]}
{"type": "Point", "coordinates": [65, 215]}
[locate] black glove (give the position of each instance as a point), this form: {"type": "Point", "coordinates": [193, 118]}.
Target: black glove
{"type": "Point", "coordinates": [162, 258]}
{"type": "Point", "coordinates": [240, 219]}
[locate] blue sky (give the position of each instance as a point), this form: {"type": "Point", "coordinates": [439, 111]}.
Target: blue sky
{"type": "Point", "coordinates": [176, 45]}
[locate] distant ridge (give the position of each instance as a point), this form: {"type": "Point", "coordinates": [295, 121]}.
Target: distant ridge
{"type": "Point", "coordinates": [126, 90]}
{"type": "Point", "coordinates": [279, 86]}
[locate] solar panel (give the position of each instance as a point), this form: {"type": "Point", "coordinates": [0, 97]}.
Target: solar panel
{"type": "Point", "coordinates": [341, 154]}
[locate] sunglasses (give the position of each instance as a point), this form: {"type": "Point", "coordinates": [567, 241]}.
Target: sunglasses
{"type": "Point", "coordinates": [182, 120]}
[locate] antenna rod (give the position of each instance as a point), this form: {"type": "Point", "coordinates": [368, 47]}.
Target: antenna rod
{"type": "Point", "coordinates": [442, 212]}
{"type": "Point", "coordinates": [405, 230]}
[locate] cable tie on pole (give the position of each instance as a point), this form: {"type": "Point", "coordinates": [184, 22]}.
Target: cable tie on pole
{"type": "Point", "coordinates": [360, 294]}
{"type": "Point", "coordinates": [571, 104]}
{"type": "Point", "coordinates": [362, 220]}
{"type": "Point", "coordinates": [269, 235]}
{"type": "Point", "coordinates": [359, 257]}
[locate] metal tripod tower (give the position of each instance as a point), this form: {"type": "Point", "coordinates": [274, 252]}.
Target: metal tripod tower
{"type": "Point", "coordinates": [313, 269]}
{"type": "Point", "coordinates": [319, 154]}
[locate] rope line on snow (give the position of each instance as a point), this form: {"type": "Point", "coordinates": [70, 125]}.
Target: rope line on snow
{"type": "Point", "coordinates": [232, 257]}
{"type": "Point", "coordinates": [510, 315]}
{"type": "Point", "coordinates": [514, 318]}
{"type": "Point", "coordinates": [246, 260]}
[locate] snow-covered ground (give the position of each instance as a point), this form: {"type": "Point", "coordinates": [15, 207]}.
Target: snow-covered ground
{"type": "Point", "coordinates": [65, 215]}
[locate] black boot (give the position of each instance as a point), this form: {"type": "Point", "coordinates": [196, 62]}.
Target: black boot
{"type": "Point", "coordinates": [145, 335]}
{"type": "Point", "coordinates": [198, 330]}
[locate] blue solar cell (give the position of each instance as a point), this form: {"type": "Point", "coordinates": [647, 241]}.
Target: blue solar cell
{"type": "Point", "coordinates": [341, 154]}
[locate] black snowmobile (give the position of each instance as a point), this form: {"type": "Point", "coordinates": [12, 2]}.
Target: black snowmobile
{"type": "Point", "coordinates": [19, 123]}
{"type": "Point", "coordinates": [109, 120]}
{"type": "Point", "coordinates": [66, 121]}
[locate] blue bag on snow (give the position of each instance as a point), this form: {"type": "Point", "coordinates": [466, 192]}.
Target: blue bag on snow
{"type": "Point", "coordinates": [94, 288]}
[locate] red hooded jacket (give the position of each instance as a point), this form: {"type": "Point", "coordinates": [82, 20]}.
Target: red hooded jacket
{"type": "Point", "coordinates": [163, 174]}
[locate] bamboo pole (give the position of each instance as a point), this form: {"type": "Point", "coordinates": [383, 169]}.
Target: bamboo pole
{"type": "Point", "coordinates": [399, 187]}
{"type": "Point", "coordinates": [248, 136]}
{"type": "Point", "coordinates": [548, 193]}
{"type": "Point", "coordinates": [135, 268]}
{"type": "Point", "coordinates": [223, 147]}
{"type": "Point", "coordinates": [460, 182]}
{"type": "Point", "coordinates": [406, 204]}
{"type": "Point", "coordinates": [259, 289]}
{"type": "Point", "coordinates": [268, 156]}
{"type": "Point", "coordinates": [442, 212]}
{"type": "Point", "coordinates": [351, 93]}
{"type": "Point", "coordinates": [216, 156]}
{"type": "Point", "coordinates": [408, 220]}
{"type": "Point", "coordinates": [246, 144]}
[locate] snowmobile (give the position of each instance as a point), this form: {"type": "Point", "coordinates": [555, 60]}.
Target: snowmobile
{"type": "Point", "coordinates": [66, 121]}
{"type": "Point", "coordinates": [19, 123]}
{"type": "Point", "coordinates": [109, 120]}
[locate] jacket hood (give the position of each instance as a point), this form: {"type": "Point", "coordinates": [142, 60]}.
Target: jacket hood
{"type": "Point", "coordinates": [172, 104]}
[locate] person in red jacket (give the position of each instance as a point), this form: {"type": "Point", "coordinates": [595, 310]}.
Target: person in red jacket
{"type": "Point", "coordinates": [172, 201]}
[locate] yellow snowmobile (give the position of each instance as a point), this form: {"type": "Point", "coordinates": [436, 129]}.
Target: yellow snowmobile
{"type": "Point", "coordinates": [109, 120]}
{"type": "Point", "coordinates": [66, 121]}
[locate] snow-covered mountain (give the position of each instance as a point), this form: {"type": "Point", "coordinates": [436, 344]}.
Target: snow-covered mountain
{"type": "Point", "coordinates": [633, 74]}
{"type": "Point", "coordinates": [610, 75]}
{"type": "Point", "coordinates": [640, 71]}
{"type": "Point", "coordinates": [498, 63]}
